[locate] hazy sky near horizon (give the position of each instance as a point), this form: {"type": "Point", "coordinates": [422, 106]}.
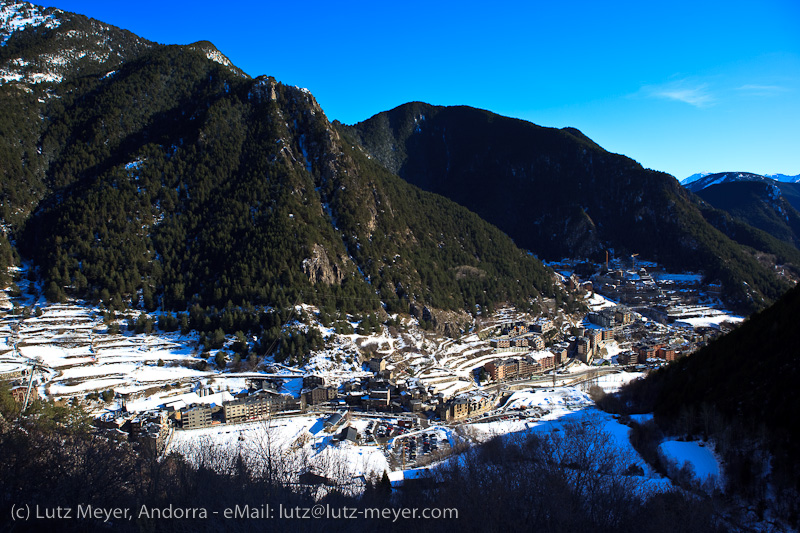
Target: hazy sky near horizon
{"type": "Point", "coordinates": [682, 87]}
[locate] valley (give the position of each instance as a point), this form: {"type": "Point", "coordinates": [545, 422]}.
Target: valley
{"type": "Point", "coordinates": [389, 388]}
{"type": "Point", "coordinates": [214, 296]}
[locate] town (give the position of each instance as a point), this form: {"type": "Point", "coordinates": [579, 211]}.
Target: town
{"type": "Point", "coordinates": [147, 387]}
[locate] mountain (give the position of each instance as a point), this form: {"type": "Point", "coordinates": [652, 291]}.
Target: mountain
{"type": "Point", "coordinates": [750, 372]}
{"type": "Point", "coordinates": [696, 182]}
{"type": "Point", "coordinates": [739, 395]}
{"type": "Point", "coordinates": [556, 192]}
{"type": "Point", "coordinates": [162, 176]}
{"type": "Point", "coordinates": [694, 177]}
{"type": "Point", "coordinates": [759, 204]}
{"type": "Point", "coordinates": [755, 200]}
{"type": "Point", "coordinates": [707, 180]}
{"type": "Point", "coordinates": [787, 188]}
{"type": "Point", "coordinates": [784, 178]}
{"type": "Point", "coordinates": [48, 45]}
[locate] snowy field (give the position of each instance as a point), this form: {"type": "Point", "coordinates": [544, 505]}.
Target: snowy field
{"type": "Point", "coordinates": [299, 443]}
{"type": "Point", "coordinates": [704, 463]}
{"type": "Point", "coordinates": [712, 320]}
{"type": "Point", "coordinates": [613, 382]}
{"type": "Point", "coordinates": [80, 356]}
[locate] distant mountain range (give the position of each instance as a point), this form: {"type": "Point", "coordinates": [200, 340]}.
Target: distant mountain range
{"type": "Point", "coordinates": [705, 179]}
{"type": "Point", "coordinates": [760, 201]}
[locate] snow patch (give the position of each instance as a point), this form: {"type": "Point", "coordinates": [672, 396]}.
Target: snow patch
{"type": "Point", "coordinates": [20, 15]}
{"type": "Point", "coordinates": [697, 454]}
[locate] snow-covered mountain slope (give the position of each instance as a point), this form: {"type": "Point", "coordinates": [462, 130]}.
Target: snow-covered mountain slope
{"type": "Point", "coordinates": [48, 45]}
{"type": "Point", "coordinates": [694, 177]}
{"type": "Point", "coordinates": [701, 180]}
{"type": "Point", "coordinates": [698, 182]}
{"type": "Point", "coordinates": [16, 16]}
{"type": "Point", "coordinates": [783, 178]}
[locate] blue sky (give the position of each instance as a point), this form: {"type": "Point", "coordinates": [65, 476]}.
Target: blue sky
{"type": "Point", "coordinates": [682, 87]}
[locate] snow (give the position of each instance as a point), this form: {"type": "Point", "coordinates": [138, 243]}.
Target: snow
{"type": "Point", "coordinates": [18, 16]}
{"type": "Point", "coordinates": [12, 367]}
{"type": "Point", "coordinates": [711, 320]}
{"type": "Point", "coordinates": [613, 382]}
{"type": "Point", "coordinates": [538, 355]}
{"type": "Point", "coordinates": [597, 302]}
{"type": "Point", "coordinates": [216, 56]}
{"type": "Point", "coordinates": [52, 356]}
{"type": "Point", "coordinates": [682, 278]}
{"type": "Point", "coordinates": [612, 348]}
{"type": "Point", "coordinates": [698, 454]}
{"type": "Point", "coordinates": [641, 419]}
{"type": "Point", "coordinates": [297, 440]}
{"type": "Point", "coordinates": [562, 397]}
{"type": "Point", "coordinates": [7, 76]}
{"type": "Point", "coordinates": [563, 407]}
{"type": "Point", "coordinates": [784, 178]}
{"type": "Point", "coordinates": [80, 356]}
{"type": "Point", "coordinates": [134, 165]}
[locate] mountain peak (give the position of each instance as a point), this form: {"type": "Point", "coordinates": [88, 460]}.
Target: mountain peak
{"type": "Point", "coordinates": [707, 180]}
{"type": "Point", "coordinates": [46, 45]}
{"type": "Point", "coordinates": [694, 177]}
{"type": "Point", "coordinates": [17, 16]}
{"type": "Point", "coordinates": [213, 53]}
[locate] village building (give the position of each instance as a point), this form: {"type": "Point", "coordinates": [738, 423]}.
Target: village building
{"type": "Point", "coordinates": [18, 393]}
{"type": "Point", "coordinates": [332, 421]}
{"type": "Point", "coordinates": [668, 353]}
{"type": "Point", "coordinates": [256, 406]}
{"type": "Point", "coordinates": [584, 349]}
{"type": "Point", "coordinates": [542, 326]}
{"type": "Point", "coordinates": [379, 400]}
{"type": "Point", "coordinates": [196, 416]}
{"type": "Point", "coordinates": [319, 395]}
{"type": "Point", "coordinates": [536, 342]}
{"type": "Point", "coordinates": [464, 406]}
{"type": "Point", "coordinates": [377, 365]}
{"type": "Point", "coordinates": [313, 380]}
{"type": "Point", "coordinates": [502, 342]}
{"type": "Point", "coordinates": [502, 370]}
{"type": "Point", "coordinates": [545, 359]}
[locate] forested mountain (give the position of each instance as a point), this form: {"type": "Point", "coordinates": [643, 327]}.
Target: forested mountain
{"type": "Point", "coordinates": [758, 204]}
{"type": "Point", "coordinates": [49, 45]}
{"type": "Point", "coordinates": [780, 185]}
{"type": "Point", "coordinates": [558, 193]}
{"type": "Point", "coordinates": [740, 392]}
{"type": "Point", "coordinates": [170, 178]}
{"type": "Point", "coordinates": [751, 373]}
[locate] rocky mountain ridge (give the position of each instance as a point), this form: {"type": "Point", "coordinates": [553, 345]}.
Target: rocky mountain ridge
{"type": "Point", "coordinates": [179, 182]}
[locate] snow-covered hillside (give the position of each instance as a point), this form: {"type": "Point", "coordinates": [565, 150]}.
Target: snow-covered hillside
{"type": "Point", "coordinates": [65, 44]}
{"type": "Point", "coordinates": [700, 181]}
{"type": "Point", "coordinates": [16, 16]}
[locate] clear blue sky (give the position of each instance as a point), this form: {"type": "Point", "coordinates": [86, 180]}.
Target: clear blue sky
{"type": "Point", "coordinates": [682, 87]}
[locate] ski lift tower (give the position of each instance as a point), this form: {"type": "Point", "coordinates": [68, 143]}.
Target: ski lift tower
{"type": "Point", "coordinates": [35, 366]}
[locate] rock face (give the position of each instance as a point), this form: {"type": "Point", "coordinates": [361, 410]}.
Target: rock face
{"type": "Point", "coordinates": [449, 323]}
{"type": "Point", "coordinates": [320, 269]}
